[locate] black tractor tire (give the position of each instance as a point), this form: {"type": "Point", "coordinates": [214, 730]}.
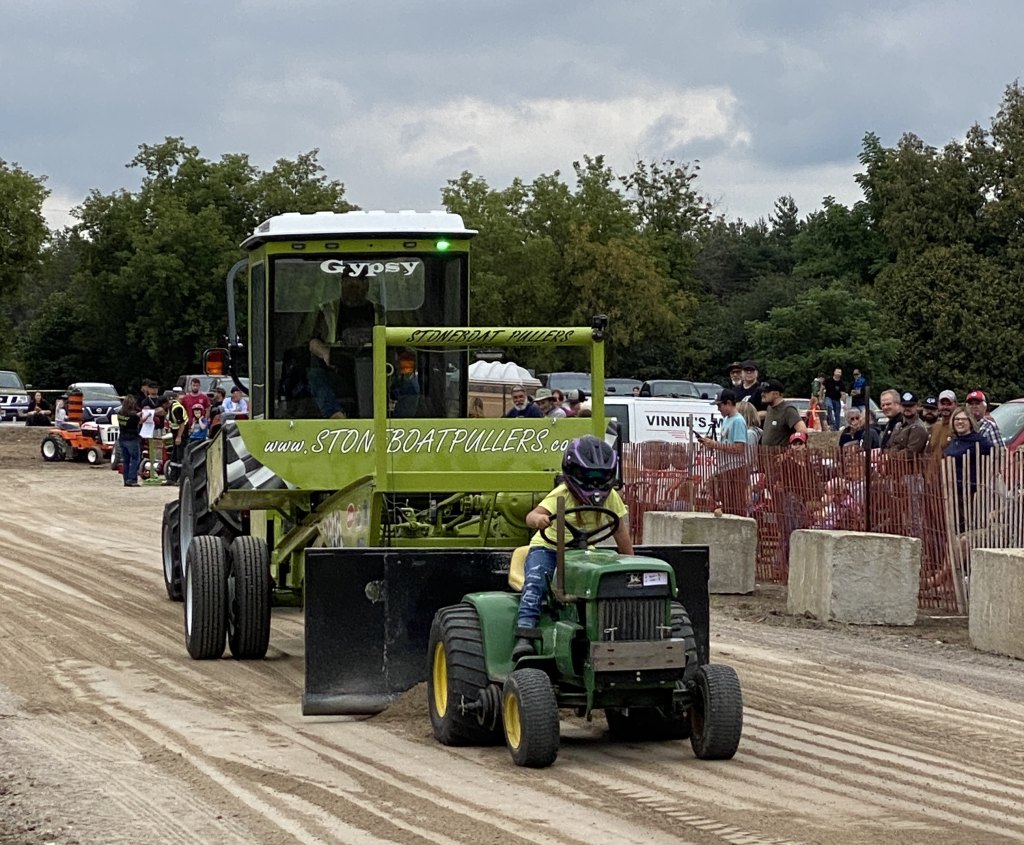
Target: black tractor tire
{"type": "Point", "coordinates": [457, 675]}
{"type": "Point", "coordinates": [529, 714]}
{"type": "Point", "coordinates": [716, 718]}
{"type": "Point", "coordinates": [195, 517]}
{"type": "Point", "coordinates": [249, 597]}
{"type": "Point", "coordinates": [171, 551]}
{"type": "Point", "coordinates": [206, 598]}
{"type": "Point", "coordinates": [115, 456]}
{"type": "Point", "coordinates": [654, 724]}
{"type": "Point", "coordinates": [94, 456]}
{"type": "Point", "coordinates": [52, 448]}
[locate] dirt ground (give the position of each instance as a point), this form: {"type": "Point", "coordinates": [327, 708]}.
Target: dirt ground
{"type": "Point", "coordinates": [110, 733]}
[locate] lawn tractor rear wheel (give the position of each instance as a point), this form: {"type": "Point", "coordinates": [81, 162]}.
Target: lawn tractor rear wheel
{"type": "Point", "coordinates": [115, 456]}
{"type": "Point", "coordinates": [638, 724]}
{"type": "Point", "coordinates": [206, 598]}
{"type": "Point", "coordinates": [716, 717]}
{"type": "Point", "coordinates": [456, 676]}
{"type": "Point", "coordinates": [169, 534]}
{"type": "Point", "coordinates": [249, 598]}
{"type": "Point", "coordinates": [529, 713]}
{"type": "Point", "coordinates": [52, 448]}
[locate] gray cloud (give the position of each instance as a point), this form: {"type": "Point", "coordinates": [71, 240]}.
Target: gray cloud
{"type": "Point", "coordinates": [401, 96]}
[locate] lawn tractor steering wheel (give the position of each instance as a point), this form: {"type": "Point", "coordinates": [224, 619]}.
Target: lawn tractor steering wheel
{"type": "Point", "coordinates": [581, 538]}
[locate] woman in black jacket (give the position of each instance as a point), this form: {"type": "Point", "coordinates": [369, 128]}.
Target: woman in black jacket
{"type": "Point", "coordinates": [965, 449]}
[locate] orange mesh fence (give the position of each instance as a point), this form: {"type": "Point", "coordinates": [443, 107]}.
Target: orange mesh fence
{"type": "Point", "coordinates": [787, 489]}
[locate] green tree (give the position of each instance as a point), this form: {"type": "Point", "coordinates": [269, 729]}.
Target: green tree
{"type": "Point", "coordinates": [824, 328]}
{"type": "Point", "coordinates": [149, 292]}
{"type": "Point", "coordinates": [953, 311]}
{"type": "Point", "coordinates": [23, 233]}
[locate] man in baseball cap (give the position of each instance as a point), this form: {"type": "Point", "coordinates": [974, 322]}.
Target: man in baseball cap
{"type": "Point", "coordinates": [942, 431]}
{"type": "Point", "coordinates": [977, 407]}
{"type": "Point", "coordinates": [781, 420]}
{"type": "Point", "coordinates": [911, 438]}
{"type": "Point", "coordinates": [749, 389]}
{"type": "Point", "coordinates": [930, 411]}
{"type": "Point", "coordinates": [736, 374]}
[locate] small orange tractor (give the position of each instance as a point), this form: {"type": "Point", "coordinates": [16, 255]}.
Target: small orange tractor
{"type": "Point", "coordinates": [75, 440]}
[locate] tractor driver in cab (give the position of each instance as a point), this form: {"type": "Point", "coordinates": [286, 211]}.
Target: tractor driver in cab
{"type": "Point", "coordinates": [347, 323]}
{"type": "Point", "coordinates": [588, 478]}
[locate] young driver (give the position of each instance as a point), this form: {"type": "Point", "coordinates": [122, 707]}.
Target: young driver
{"type": "Point", "coordinates": [588, 478]}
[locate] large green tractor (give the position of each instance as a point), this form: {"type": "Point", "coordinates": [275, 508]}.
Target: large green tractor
{"type": "Point", "coordinates": [613, 636]}
{"type": "Point", "coordinates": [360, 487]}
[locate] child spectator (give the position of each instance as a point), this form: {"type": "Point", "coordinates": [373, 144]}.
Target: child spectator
{"type": "Point", "coordinates": [200, 425]}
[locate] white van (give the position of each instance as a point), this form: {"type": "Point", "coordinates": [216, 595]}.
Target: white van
{"type": "Point", "coordinates": [668, 419]}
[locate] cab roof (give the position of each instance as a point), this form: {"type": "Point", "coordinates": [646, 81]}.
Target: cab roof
{"type": "Point", "coordinates": [354, 224]}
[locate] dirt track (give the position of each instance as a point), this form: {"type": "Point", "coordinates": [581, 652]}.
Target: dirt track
{"type": "Point", "coordinates": [110, 733]}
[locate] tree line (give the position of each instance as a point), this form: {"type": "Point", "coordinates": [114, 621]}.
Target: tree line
{"type": "Point", "coordinates": [916, 284]}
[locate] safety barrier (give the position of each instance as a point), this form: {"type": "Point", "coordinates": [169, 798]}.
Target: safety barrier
{"type": "Point", "coordinates": [789, 489]}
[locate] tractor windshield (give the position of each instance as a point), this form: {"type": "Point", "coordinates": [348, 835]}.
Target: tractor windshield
{"type": "Point", "coordinates": [324, 308]}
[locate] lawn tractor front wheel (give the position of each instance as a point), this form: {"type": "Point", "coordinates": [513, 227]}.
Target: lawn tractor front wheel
{"type": "Point", "coordinates": [529, 713]}
{"type": "Point", "coordinates": [457, 677]}
{"type": "Point", "coordinates": [249, 592]}
{"type": "Point", "coordinates": [171, 551]}
{"type": "Point", "coordinates": [52, 448]}
{"type": "Point", "coordinates": [206, 598]}
{"type": "Point", "coordinates": [716, 717]}
{"type": "Point", "coordinates": [94, 456]}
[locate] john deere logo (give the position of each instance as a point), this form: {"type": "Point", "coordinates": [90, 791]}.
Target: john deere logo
{"type": "Point", "coordinates": [634, 580]}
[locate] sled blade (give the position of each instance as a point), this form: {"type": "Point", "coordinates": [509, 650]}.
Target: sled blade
{"type": "Point", "coordinates": [368, 615]}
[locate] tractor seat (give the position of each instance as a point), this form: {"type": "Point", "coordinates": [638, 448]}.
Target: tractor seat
{"type": "Point", "coordinates": [67, 425]}
{"type": "Point", "coordinates": [517, 568]}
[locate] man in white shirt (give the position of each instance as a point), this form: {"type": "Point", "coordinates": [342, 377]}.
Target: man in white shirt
{"type": "Point", "coordinates": [237, 403]}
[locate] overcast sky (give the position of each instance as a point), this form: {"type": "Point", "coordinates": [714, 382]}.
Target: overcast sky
{"type": "Point", "coordinates": [772, 97]}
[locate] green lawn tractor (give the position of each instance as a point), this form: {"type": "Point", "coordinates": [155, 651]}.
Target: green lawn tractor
{"type": "Point", "coordinates": [613, 637]}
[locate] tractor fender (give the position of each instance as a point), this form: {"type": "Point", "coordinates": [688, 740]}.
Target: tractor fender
{"type": "Point", "coordinates": [497, 613]}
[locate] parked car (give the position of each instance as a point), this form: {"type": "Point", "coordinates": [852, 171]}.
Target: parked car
{"type": "Point", "coordinates": [1010, 418]}
{"type": "Point", "coordinates": [567, 381]}
{"type": "Point", "coordinates": [621, 386]}
{"type": "Point", "coordinates": [13, 397]}
{"type": "Point", "coordinates": [678, 388]}
{"type": "Point", "coordinates": [708, 389]}
{"type": "Point", "coordinates": [100, 400]}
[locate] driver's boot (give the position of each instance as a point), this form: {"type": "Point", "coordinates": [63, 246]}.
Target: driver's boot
{"type": "Point", "coordinates": [524, 642]}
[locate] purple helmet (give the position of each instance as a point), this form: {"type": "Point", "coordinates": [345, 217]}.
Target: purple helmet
{"type": "Point", "coordinates": [588, 469]}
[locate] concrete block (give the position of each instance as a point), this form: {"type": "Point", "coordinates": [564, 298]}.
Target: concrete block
{"type": "Point", "coordinates": [731, 540]}
{"type": "Point", "coordinates": [850, 576]}
{"type": "Point", "coordinates": [996, 620]}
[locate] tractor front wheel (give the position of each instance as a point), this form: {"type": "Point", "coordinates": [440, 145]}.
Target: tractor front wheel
{"type": "Point", "coordinates": [52, 448]}
{"type": "Point", "coordinates": [195, 517]}
{"type": "Point", "coordinates": [529, 713]}
{"type": "Point", "coordinates": [716, 717]}
{"type": "Point", "coordinates": [206, 589]}
{"type": "Point", "coordinates": [169, 534]}
{"type": "Point", "coordinates": [456, 675]}
{"type": "Point", "coordinates": [249, 598]}
{"type": "Point", "coordinates": [94, 456]}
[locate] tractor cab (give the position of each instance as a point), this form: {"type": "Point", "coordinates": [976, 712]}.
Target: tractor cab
{"type": "Point", "coordinates": [314, 301]}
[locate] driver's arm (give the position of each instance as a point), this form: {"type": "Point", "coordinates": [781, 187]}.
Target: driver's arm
{"type": "Point", "coordinates": [623, 541]}
{"type": "Point", "coordinates": [539, 518]}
